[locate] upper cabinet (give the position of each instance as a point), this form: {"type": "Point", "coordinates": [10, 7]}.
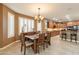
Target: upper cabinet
{"type": "Point", "coordinates": [54, 25]}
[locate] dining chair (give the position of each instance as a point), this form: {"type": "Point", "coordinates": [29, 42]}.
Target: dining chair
{"type": "Point", "coordinates": [48, 39]}
{"type": "Point", "coordinates": [40, 42]}
{"type": "Point", "coordinates": [24, 44]}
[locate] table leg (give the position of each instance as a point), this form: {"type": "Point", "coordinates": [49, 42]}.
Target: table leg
{"type": "Point", "coordinates": [35, 47]}
{"type": "Point", "coordinates": [50, 42]}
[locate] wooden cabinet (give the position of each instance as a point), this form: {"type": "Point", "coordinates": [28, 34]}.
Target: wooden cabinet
{"type": "Point", "coordinates": [54, 25]}
{"type": "Point", "coordinates": [73, 23]}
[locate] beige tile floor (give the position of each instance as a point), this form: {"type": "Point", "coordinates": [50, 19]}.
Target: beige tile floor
{"type": "Point", "coordinates": [58, 47]}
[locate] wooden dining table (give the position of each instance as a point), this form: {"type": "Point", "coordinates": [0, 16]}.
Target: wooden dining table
{"type": "Point", "coordinates": [34, 38]}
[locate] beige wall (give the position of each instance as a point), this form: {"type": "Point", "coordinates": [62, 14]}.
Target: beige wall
{"type": "Point", "coordinates": [1, 24]}
{"type": "Point", "coordinates": [35, 25]}
{"type": "Point", "coordinates": [43, 25]}
{"type": "Point", "coordinates": [4, 40]}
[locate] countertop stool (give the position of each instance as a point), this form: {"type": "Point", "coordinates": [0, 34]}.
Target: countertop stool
{"type": "Point", "coordinates": [73, 36]}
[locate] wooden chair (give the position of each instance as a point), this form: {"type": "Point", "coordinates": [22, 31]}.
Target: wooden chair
{"type": "Point", "coordinates": [48, 39]}
{"type": "Point", "coordinates": [40, 42]}
{"type": "Point", "coordinates": [29, 33]}
{"type": "Point", "coordinates": [24, 44]}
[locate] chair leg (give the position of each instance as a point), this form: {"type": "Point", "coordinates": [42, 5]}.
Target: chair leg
{"type": "Point", "coordinates": [44, 46]}
{"type": "Point", "coordinates": [76, 40]}
{"type": "Point", "coordinates": [49, 42]}
{"type": "Point", "coordinates": [61, 37]}
{"type": "Point", "coordinates": [71, 38]}
{"type": "Point", "coordinates": [65, 37]}
{"type": "Point", "coordinates": [24, 50]}
{"type": "Point", "coordinates": [38, 49]}
{"type": "Point", "coordinates": [21, 47]}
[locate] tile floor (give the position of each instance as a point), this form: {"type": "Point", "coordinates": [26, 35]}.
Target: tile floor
{"type": "Point", "coordinates": [58, 47]}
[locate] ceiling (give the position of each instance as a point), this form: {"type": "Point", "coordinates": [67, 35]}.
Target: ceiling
{"type": "Point", "coordinates": [52, 11]}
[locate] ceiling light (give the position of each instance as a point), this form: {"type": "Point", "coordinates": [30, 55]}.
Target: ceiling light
{"type": "Point", "coordinates": [39, 17]}
{"type": "Point", "coordinates": [68, 17]}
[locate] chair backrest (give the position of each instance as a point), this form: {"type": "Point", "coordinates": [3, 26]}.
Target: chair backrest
{"type": "Point", "coordinates": [41, 38]}
{"type": "Point", "coordinates": [74, 32]}
{"type": "Point", "coordinates": [22, 38]}
{"type": "Point", "coordinates": [29, 33]}
{"type": "Point", "coordinates": [63, 31]}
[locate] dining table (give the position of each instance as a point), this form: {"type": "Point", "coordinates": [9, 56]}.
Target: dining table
{"type": "Point", "coordinates": [34, 38]}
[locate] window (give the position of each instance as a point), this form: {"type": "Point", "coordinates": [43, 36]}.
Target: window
{"type": "Point", "coordinates": [10, 25]}
{"type": "Point", "coordinates": [45, 24]}
{"type": "Point", "coordinates": [25, 25]}
{"type": "Point", "coordinates": [20, 24]}
{"type": "Point", "coordinates": [30, 25]}
{"type": "Point", "coordinates": [39, 27]}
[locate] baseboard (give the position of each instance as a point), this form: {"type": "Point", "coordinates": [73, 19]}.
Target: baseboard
{"type": "Point", "coordinates": [8, 45]}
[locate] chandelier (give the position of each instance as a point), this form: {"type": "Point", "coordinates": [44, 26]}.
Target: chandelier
{"type": "Point", "coordinates": [39, 18]}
